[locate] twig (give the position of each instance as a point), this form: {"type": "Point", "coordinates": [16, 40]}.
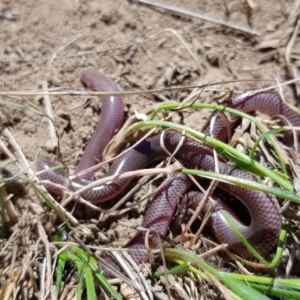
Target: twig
{"type": "Point", "coordinates": [46, 264]}
{"type": "Point", "coordinates": [291, 42]}
{"type": "Point", "coordinates": [199, 16]}
{"type": "Point", "coordinates": [251, 4]}
{"type": "Point", "coordinates": [52, 143]}
{"type": "Point", "coordinates": [140, 276]}
{"type": "Point", "coordinates": [170, 169]}
{"type": "Point", "coordinates": [151, 91]}
{"type": "Point", "coordinates": [61, 48]}
{"type": "Point", "coordinates": [21, 162]}
{"type": "Point", "coordinates": [106, 214]}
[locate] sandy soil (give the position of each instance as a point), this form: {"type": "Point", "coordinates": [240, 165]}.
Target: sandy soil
{"type": "Point", "coordinates": [44, 45]}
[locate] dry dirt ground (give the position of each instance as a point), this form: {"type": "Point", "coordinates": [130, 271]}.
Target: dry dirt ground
{"type": "Point", "coordinates": [44, 45]}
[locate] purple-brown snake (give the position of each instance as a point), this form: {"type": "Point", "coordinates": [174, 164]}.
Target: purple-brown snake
{"type": "Point", "coordinates": [264, 209]}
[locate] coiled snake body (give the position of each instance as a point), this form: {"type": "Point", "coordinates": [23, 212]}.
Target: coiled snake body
{"type": "Point", "coordinates": [264, 209]}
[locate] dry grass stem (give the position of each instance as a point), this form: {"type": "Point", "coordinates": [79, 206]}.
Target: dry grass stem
{"type": "Point", "coordinates": [291, 43]}
{"type": "Point", "coordinates": [214, 251]}
{"type": "Point", "coordinates": [167, 170]}
{"type": "Point", "coordinates": [143, 181]}
{"type": "Point", "coordinates": [20, 159]}
{"type": "Point", "coordinates": [140, 276]}
{"type": "Point", "coordinates": [225, 292]}
{"type": "Point", "coordinates": [53, 141]}
{"type": "Point", "coordinates": [52, 58]}
{"type": "Point", "coordinates": [141, 92]}
{"type": "Point", "coordinates": [198, 15]}
{"type": "Point", "coordinates": [46, 265]}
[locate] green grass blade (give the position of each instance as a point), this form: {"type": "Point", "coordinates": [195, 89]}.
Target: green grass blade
{"type": "Point", "coordinates": [284, 283]}
{"type": "Point", "coordinates": [90, 286]}
{"type": "Point", "coordinates": [91, 262]}
{"type": "Point", "coordinates": [286, 288]}
{"type": "Point", "coordinates": [88, 269]}
{"type": "Point", "coordinates": [283, 194]}
{"type": "Point", "coordinates": [277, 292]}
{"type": "Point", "coordinates": [181, 268]}
{"type": "Point", "coordinates": [240, 288]}
{"type": "Point", "coordinates": [60, 267]}
{"type": "Point", "coordinates": [262, 137]}
{"type": "Point", "coordinates": [251, 249]}
{"type": "Point", "coordinates": [80, 285]}
{"type": "Point", "coordinates": [278, 287]}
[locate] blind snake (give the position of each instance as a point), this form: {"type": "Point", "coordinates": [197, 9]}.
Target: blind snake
{"type": "Point", "coordinates": [264, 209]}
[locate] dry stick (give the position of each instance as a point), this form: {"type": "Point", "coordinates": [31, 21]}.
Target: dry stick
{"type": "Point", "coordinates": [68, 192]}
{"type": "Point", "coordinates": [241, 267]}
{"type": "Point", "coordinates": [288, 50]}
{"type": "Point", "coordinates": [49, 112]}
{"type": "Point", "coordinates": [251, 4]}
{"type": "Point", "coordinates": [116, 272]}
{"type": "Point", "coordinates": [140, 276]}
{"type": "Point", "coordinates": [8, 206]}
{"type": "Point", "coordinates": [223, 289]}
{"type": "Point", "coordinates": [296, 72]}
{"type": "Point", "coordinates": [84, 53]}
{"type": "Point", "coordinates": [187, 47]}
{"type": "Point", "coordinates": [63, 47]}
{"type": "Point", "coordinates": [29, 260]}
{"type": "Point", "coordinates": [102, 248]}
{"type": "Point", "coordinates": [205, 197]}
{"type": "Point", "coordinates": [214, 250]}
{"type": "Point", "coordinates": [8, 242]}
{"type": "Point", "coordinates": [42, 276]}
{"type": "Point", "coordinates": [129, 93]}
{"type": "Point", "coordinates": [7, 203]}
{"type": "Point", "coordinates": [8, 153]}
{"type": "Point", "coordinates": [47, 261]}
{"type": "Point", "coordinates": [292, 256]}
{"type": "Point", "coordinates": [151, 91]}
{"type": "Point", "coordinates": [163, 258]}
{"type": "Point", "coordinates": [124, 266]}
{"type": "Point", "coordinates": [113, 210]}
{"type": "Point", "coordinates": [291, 42]}
{"type": "Point", "coordinates": [199, 16]}
{"type": "Point", "coordinates": [172, 168]}
{"type": "Point", "coordinates": [133, 276]}
{"type": "Point", "coordinates": [23, 164]}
